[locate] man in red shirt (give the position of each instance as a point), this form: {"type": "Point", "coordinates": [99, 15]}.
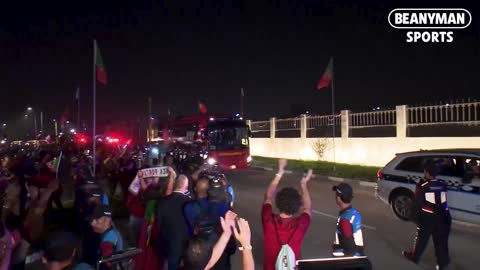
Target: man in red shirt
{"type": "Point", "coordinates": [278, 229]}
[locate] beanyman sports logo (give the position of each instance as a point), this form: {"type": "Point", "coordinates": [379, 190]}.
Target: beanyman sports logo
{"type": "Point", "coordinates": [436, 25]}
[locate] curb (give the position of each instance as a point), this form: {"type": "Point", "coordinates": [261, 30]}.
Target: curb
{"type": "Point", "coordinates": [331, 178]}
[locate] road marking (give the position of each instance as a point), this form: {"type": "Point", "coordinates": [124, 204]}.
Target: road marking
{"type": "Point", "coordinates": [466, 224]}
{"type": "Point", "coordinates": [368, 184]}
{"type": "Point", "coordinates": [336, 179]}
{"type": "Point", "coordinates": [336, 217]}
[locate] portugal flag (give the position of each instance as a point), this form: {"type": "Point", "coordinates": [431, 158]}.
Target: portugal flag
{"type": "Point", "coordinates": [327, 76]}
{"type": "Point", "coordinates": [202, 108]}
{"type": "Point", "coordinates": [100, 69]}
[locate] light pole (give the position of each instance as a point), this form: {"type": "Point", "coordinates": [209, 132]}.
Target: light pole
{"type": "Point", "coordinates": [41, 122]}
{"type": "Point", "coordinates": [30, 110]}
{"type": "Point", "coordinates": [55, 124]}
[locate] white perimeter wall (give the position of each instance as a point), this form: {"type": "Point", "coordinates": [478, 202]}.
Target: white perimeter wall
{"type": "Point", "coordinates": [362, 151]}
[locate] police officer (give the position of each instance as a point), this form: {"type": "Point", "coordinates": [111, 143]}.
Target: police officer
{"type": "Point", "coordinates": [348, 237]}
{"type": "Point", "coordinates": [432, 217]}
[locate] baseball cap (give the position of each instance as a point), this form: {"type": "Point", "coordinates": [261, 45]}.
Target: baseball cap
{"type": "Point", "coordinates": [344, 191]}
{"type": "Point", "coordinates": [101, 211]}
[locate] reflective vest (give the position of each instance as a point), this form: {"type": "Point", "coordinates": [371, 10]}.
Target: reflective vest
{"type": "Point", "coordinates": [431, 198]}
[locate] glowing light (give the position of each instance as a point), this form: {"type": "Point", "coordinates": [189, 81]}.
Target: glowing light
{"type": "Point", "coordinates": [249, 159]}
{"type": "Point", "coordinates": [211, 161]}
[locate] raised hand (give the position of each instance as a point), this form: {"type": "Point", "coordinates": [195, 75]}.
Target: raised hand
{"type": "Point", "coordinates": [243, 233]}
{"type": "Point", "coordinates": [307, 177]}
{"type": "Point", "coordinates": [228, 222]}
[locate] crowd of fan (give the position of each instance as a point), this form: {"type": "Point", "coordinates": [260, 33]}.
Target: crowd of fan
{"type": "Point", "coordinates": [178, 221]}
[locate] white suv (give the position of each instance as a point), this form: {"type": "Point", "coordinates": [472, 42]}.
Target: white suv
{"type": "Point", "coordinates": [460, 170]}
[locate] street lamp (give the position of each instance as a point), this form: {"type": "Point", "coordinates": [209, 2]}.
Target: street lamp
{"type": "Point", "coordinates": [30, 109]}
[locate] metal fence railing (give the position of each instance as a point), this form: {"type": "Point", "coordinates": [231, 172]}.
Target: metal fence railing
{"type": "Point", "coordinates": [467, 114]}
{"type": "Point", "coordinates": [323, 121]}
{"type": "Point", "coordinates": [287, 124]}
{"type": "Point", "coordinates": [463, 114]}
{"type": "Point", "coordinates": [260, 126]}
{"type": "Point", "coordinates": [385, 118]}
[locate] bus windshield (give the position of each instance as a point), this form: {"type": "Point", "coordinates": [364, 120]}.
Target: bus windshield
{"type": "Point", "coordinates": [228, 138]}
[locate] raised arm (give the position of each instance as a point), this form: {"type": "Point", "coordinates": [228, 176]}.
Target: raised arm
{"type": "Point", "coordinates": [243, 235]}
{"type": "Point", "coordinates": [227, 223]}
{"type": "Point", "coordinates": [274, 183]}
{"type": "Point", "coordinates": [143, 183]}
{"type": "Point", "coordinates": [9, 246]}
{"type": "Point", "coordinates": [171, 181]}
{"type": "Point", "coordinates": [307, 201]}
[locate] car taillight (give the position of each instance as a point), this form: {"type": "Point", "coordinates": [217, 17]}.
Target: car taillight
{"type": "Point", "coordinates": [380, 175]}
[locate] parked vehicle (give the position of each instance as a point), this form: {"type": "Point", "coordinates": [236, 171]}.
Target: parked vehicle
{"type": "Point", "coordinates": [460, 169]}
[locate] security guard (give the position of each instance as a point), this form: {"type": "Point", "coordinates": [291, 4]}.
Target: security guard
{"type": "Point", "coordinates": [432, 217]}
{"type": "Point", "coordinates": [348, 237]}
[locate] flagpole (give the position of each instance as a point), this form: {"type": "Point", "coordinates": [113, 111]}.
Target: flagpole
{"type": "Point", "coordinates": [94, 141]}
{"type": "Point", "coordinates": [333, 117]}
{"type": "Point", "coordinates": [78, 109]}
{"type": "Point", "coordinates": [241, 102]}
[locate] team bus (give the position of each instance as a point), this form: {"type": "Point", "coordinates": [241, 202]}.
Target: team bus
{"type": "Point", "coordinates": [222, 141]}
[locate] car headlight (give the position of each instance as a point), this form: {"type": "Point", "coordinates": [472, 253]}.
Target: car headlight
{"type": "Point", "coordinates": [211, 161]}
{"type": "Point", "coordinates": [249, 159]}
{"type": "Point", "coordinates": [155, 151]}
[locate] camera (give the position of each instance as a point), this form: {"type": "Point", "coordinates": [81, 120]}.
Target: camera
{"type": "Point", "coordinates": [217, 188]}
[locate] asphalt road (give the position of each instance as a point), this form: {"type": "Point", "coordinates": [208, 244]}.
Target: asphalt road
{"type": "Point", "coordinates": [385, 236]}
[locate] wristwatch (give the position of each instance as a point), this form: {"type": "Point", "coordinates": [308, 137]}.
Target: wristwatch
{"type": "Point", "coordinates": [242, 248]}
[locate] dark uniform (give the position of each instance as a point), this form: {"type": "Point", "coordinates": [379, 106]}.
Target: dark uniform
{"type": "Point", "coordinates": [433, 219]}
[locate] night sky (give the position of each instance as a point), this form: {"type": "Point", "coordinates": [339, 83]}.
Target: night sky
{"type": "Point", "coordinates": [182, 52]}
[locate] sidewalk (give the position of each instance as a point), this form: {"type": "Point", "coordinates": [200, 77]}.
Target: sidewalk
{"type": "Point", "coordinates": [265, 167]}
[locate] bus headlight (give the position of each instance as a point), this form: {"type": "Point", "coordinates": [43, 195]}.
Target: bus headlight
{"type": "Point", "coordinates": [211, 161]}
{"type": "Point", "coordinates": [249, 159]}
{"type": "Point", "coordinates": [155, 151]}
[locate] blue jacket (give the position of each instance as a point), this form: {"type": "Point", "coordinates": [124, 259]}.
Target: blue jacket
{"type": "Point", "coordinates": [348, 237]}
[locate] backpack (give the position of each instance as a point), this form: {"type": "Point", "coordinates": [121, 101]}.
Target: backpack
{"type": "Point", "coordinates": [207, 222]}
{"type": "Point", "coordinates": [286, 257]}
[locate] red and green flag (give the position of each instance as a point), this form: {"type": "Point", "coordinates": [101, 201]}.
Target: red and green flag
{"type": "Point", "coordinates": [202, 108]}
{"type": "Point", "coordinates": [99, 67]}
{"type": "Point", "coordinates": [327, 76]}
